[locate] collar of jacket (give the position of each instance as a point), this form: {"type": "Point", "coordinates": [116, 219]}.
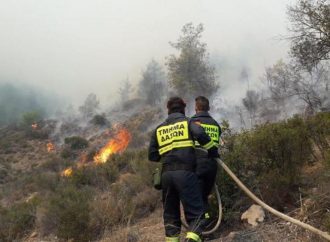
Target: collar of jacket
{"type": "Point", "coordinates": [175, 116]}
{"type": "Point", "coordinates": [201, 114]}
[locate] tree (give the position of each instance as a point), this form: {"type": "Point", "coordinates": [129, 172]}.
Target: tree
{"type": "Point", "coordinates": [29, 118]}
{"type": "Point", "coordinates": [310, 31]}
{"type": "Point", "coordinates": [152, 84]}
{"type": "Point", "coordinates": [286, 82]}
{"type": "Point", "coordinates": [280, 78]}
{"type": "Point", "coordinates": [313, 88]}
{"type": "Point", "coordinates": [244, 77]}
{"type": "Point", "coordinates": [250, 102]}
{"type": "Point", "coordinates": [125, 91]}
{"type": "Point", "coordinates": [191, 73]}
{"type": "Point", "coordinates": [90, 106]}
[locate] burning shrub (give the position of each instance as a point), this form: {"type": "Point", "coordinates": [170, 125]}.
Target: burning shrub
{"type": "Point", "coordinates": [30, 118]}
{"type": "Point", "coordinates": [67, 213]}
{"type": "Point", "coordinates": [76, 142]}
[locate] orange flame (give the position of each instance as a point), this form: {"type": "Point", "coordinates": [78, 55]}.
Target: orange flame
{"type": "Point", "coordinates": [67, 172]}
{"type": "Point", "coordinates": [116, 145]}
{"type": "Point", "coordinates": [50, 147]}
{"type": "Point", "coordinates": [34, 126]}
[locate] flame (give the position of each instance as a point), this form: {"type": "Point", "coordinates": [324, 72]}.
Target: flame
{"type": "Point", "coordinates": [34, 126]}
{"type": "Point", "coordinates": [50, 147]}
{"type": "Point", "coordinates": [67, 172]}
{"type": "Point", "coordinates": [115, 145]}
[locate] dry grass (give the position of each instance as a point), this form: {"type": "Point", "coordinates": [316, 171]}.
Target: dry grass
{"type": "Point", "coordinates": [149, 229]}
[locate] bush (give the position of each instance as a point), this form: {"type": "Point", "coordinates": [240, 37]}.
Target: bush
{"type": "Point", "coordinates": [268, 159]}
{"type": "Point", "coordinates": [18, 220]}
{"type": "Point", "coordinates": [319, 131]}
{"type": "Point", "coordinates": [29, 118]}
{"type": "Point", "coordinates": [55, 164]}
{"type": "Point", "coordinates": [67, 213]}
{"type": "Point", "coordinates": [76, 142]}
{"type": "Point", "coordinates": [326, 221]}
{"type": "Point", "coordinates": [101, 175]}
{"type": "Point", "coordinates": [104, 214]}
{"type": "Point", "coordinates": [100, 120]}
{"type": "Point", "coordinates": [67, 153]}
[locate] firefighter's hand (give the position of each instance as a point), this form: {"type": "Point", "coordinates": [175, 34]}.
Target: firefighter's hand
{"type": "Point", "coordinates": [213, 152]}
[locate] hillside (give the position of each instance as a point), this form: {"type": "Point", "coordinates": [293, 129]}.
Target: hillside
{"type": "Point", "coordinates": [91, 181]}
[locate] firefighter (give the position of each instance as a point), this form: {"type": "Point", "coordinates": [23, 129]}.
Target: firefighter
{"type": "Point", "coordinates": [172, 142]}
{"type": "Point", "coordinates": [206, 169]}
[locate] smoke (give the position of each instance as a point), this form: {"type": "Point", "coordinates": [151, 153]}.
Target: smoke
{"type": "Point", "coordinates": [17, 99]}
{"type": "Point", "coordinates": [78, 47]}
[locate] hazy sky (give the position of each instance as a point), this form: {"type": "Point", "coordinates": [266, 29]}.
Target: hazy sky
{"type": "Point", "coordinates": [74, 47]}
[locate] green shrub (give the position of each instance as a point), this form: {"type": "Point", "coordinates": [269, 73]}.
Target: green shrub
{"type": "Point", "coordinates": [101, 175]}
{"type": "Point", "coordinates": [46, 181]}
{"type": "Point", "coordinates": [326, 222]}
{"type": "Point", "coordinates": [29, 118]}
{"type": "Point", "coordinates": [18, 220]}
{"type": "Point", "coordinates": [319, 131]}
{"type": "Point", "coordinates": [68, 153]}
{"type": "Point", "coordinates": [67, 213]}
{"type": "Point", "coordinates": [99, 120]}
{"type": "Point", "coordinates": [55, 164]}
{"type": "Point", "coordinates": [268, 159]}
{"type": "Point", "coordinates": [76, 142]}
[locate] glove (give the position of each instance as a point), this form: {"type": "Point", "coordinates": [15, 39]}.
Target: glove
{"type": "Point", "coordinates": [213, 153]}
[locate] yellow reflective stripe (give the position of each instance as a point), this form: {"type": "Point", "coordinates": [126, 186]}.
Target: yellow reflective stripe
{"type": "Point", "coordinates": [173, 132]}
{"type": "Point", "coordinates": [177, 144]}
{"type": "Point", "coordinates": [193, 236]}
{"type": "Point", "coordinates": [198, 144]}
{"type": "Point", "coordinates": [212, 131]}
{"type": "Point", "coordinates": [209, 145]}
{"type": "Point", "coordinates": [172, 239]}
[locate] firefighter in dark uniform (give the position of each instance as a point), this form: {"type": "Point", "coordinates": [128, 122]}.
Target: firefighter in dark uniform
{"type": "Point", "coordinates": [206, 167]}
{"type": "Point", "coordinates": [172, 142]}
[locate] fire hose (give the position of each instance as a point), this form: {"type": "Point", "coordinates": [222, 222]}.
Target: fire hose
{"type": "Point", "coordinates": [216, 226]}
{"type": "Point", "coordinates": [268, 208]}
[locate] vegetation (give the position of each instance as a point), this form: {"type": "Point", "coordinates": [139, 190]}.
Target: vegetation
{"type": "Point", "coordinates": [152, 86]}
{"type": "Point", "coordinates": [190, 73]}
{"type": "Point", "coordinates": [310, 32]}
{"type": "Point", "coordinates": [15, 100]}
{"type": "Point", "coordinates": [67, 213]}
{"type": "Point", "coordinates": [80, 207]}
{"type": "Point", "coordinates": [18, 220]}
{"type": "Point", "coordinates": [76, 142]}
{"type": "Point", "coordinates": [100, 120]}
{"type": "Point", "coordinates": [270, 158]}
{"type": "Point", "coordinates": [90, 106]}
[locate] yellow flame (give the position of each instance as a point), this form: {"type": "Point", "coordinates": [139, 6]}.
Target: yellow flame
{"type": "Point", "coordinates": [50, 147]}
{"type": "Point", "coordinates": [67, 172]}
{"type": "Point", "coordinates": [116, 145]}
